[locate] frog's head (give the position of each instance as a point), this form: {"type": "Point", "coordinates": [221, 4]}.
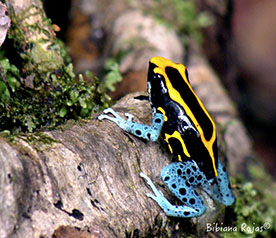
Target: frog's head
{"type": "Point", "coordinates": [160, 72]}
{"type": "Point", "coordinates": [156, 86]}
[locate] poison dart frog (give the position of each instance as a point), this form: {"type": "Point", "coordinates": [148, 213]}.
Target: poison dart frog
{"type": "Point", "coordinates": [183, 122]}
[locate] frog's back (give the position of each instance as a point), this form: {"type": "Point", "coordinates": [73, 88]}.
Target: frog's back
{"type": "Point", "coordinates": [188, 128]}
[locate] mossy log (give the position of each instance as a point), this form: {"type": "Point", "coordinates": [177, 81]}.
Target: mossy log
{"type": "Point", "coordinates": [34, 37]}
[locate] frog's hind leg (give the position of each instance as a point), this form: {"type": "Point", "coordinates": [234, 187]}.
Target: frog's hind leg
{"type": "Point", "coordinates": [182, 179]}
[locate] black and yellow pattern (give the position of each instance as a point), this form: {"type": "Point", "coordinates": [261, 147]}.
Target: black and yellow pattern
{"type": "Point", "coordinates": [188, 129]}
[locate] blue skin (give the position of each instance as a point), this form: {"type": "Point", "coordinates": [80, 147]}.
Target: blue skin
{"type": "Point", "coordinates": [182, 178]}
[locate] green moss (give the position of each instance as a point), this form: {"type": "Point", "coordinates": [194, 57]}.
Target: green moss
{"type": "Point", "coordinates": [42, 90]}
{"type": "Point", "coordinates": [255, 209]}
{"type": "Point", "coordinates": [35, 41]}
{"type": "Point", "coordinates": [44, 60]}
{"type": "Point", "coordinates": [46, 105]}
{"type": "Point", "coordinates": [12, 74]}
{"type": "Point", "coordinates": [39, 140]}
{"type": "Point", "coordinates": [112, 74]}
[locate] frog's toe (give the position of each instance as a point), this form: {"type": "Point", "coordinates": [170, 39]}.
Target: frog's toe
{"type": "Point", "coordinates": [129, 116]}
{"type": "Point", "coordinates": [109, 110]}
{"type": "Point", "coordinates": [101, 117]}
{"type": "Point", "coordinates": [152, 196]}
{"type": "Point", "coordinates": [115, 116]}
{"type": "Point", "coordinates": [151, 184]}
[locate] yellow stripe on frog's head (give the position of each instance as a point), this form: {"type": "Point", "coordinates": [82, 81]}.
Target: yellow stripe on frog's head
{"type": "Point", "coordinates": [161, 64]}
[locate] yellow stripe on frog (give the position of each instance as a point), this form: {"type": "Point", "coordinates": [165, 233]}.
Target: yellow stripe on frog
{"type": "Point", "coordinates": [163, 112]}
{"type": "Point", "coordinates": [177, 136]}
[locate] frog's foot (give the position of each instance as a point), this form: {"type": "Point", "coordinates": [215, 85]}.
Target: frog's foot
{"type": "Point", "coordinates": [143, 131]}
{"type": "Point", "coordinates": [116, 117]}
{"type": "Point", "coordinates": [168, 208]}
{"type": "Point", "coordinates": [221, 189]}
{"type": "Point", "coordinates": [126, 125]}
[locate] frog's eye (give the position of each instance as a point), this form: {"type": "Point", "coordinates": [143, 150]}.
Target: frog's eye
{"type": "Point", "coordinates": [156, 76]}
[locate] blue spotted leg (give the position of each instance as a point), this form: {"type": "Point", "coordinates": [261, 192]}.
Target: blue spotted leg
{"type": "Point", "coordinates": [140, 130]}
{"type": "Point", "coordinates": [182, 178]}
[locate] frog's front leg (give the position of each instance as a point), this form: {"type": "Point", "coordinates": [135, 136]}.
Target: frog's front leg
{"type": "Point", "coordinates": [221, 190]}
{"type": "Point", "coordinates": [181, 178]}
{"type": "Point", "coordinates": [137, 129]}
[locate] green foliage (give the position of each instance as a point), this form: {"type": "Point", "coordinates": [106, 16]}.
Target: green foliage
{"type": "Point", "coordinates": [10, 71]}
{"type": "Point", "coordinates": [255, 211]}
{"type": "Point", "coordinates": [48, 104]}
{"type": "Point", "coordinates": [42, 91]}
{"type": "Point", "coordinates": [113, 74]}
{"type": "Point", "coordinates": [183, 16]}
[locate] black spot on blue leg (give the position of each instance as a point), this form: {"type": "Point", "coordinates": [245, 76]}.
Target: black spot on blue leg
{"type": "Point", "coordinates": [157, 120]}
{"type": "Point", "coordinates": [182, 191]}
{"type": "Point", "coordinates": [192, 201]}
{"type": "Point", "coordinates": [138, 132]}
